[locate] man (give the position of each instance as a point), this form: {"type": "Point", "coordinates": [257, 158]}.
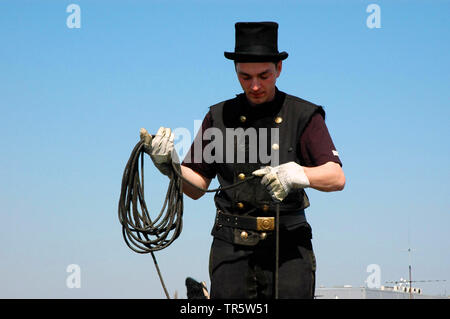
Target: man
{"type": "Point", "coordinates": [242, 258]}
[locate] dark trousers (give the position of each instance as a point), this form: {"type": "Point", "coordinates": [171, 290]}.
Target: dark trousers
{"type": "Point", "coordinates": [247, 272]}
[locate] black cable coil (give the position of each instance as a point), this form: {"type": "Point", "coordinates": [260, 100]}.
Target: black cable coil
{"type": "Point", "coordinates": [141, 233]}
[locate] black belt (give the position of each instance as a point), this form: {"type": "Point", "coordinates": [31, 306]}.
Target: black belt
{"type": "Point", "coordinates": [245, 222]}
{"type": "Point", "coordinates": [258, 223]}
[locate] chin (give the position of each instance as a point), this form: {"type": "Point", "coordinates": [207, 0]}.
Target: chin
{"type": "Point", "coordinates": [257, 100]}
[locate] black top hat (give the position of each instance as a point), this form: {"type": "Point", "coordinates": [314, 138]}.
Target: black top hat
{"type": "Point", "coordinates": [256, 42]}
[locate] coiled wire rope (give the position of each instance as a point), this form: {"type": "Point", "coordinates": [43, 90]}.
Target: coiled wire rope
{"type": "Point", "coordinates": [141, 233]}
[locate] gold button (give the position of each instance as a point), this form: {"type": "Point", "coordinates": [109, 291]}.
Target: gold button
{"type": "Point", "coordinates": [275, 147]}
{"type": "Point", "coordinates": [242, 118]}
{"type": "Point", "coordinates": [263, 236]}
{"type": "Point", "coordinates": [265, 208]}
{"type": "Point", "coordinates": [240, 205]}
{"type": "Point", "coordinates": [241, 176]}
{"type": "Point", "coordinates": [244, 235]}
{"type": "Point", "coordinates": [278, 119]}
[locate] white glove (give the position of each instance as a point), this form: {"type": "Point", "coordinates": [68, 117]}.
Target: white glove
{"type": "Point", "coordinates": [161, 149]}
{"type": "Point", "coordinates": [280, 180]}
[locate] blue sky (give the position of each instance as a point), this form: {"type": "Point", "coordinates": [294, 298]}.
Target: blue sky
{"type": "Point", "coordinates": [72, 102]}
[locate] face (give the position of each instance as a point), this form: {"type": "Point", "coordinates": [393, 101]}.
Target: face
{"type": "Point", "coordinates": [258, 80]}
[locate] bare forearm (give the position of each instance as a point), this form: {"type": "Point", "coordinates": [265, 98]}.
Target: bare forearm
{"type": "Point", "coordinates": [196, 179]}
{"type": "Point", "coordinates": [328, 177]}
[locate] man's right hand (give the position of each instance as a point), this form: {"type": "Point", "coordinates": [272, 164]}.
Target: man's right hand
{"type": "Point", "coordinates": [160, 148]}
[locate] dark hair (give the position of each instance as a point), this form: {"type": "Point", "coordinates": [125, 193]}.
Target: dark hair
{"type": "Point", "coordinates": [274, 62]}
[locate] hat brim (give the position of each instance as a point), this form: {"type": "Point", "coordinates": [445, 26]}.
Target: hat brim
{"type": "Point", "coordinates": [249, 57]}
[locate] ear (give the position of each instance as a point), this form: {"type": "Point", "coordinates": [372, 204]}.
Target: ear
{"type": "Point", "coordinates": [279, 67]}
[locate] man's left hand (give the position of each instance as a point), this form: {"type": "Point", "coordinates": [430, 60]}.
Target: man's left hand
{"type": "Point", "coordinates": [280, 180]}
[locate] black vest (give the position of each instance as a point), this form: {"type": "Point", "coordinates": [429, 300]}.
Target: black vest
{"type": "Point", "coordinates": [290, 119]}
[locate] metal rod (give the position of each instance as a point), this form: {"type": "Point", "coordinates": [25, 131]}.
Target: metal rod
{"type": "Point", "coordinates": [160, 276]}
{"type": "Point", "coordinates": [277, 247]}
{"type": "Point", "coordinates": [410, 281]}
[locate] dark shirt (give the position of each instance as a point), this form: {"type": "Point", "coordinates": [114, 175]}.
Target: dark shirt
{"type": "Point", "coordinates": [316, 146]}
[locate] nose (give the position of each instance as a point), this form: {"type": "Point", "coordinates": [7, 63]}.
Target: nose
{"type": "Point", "coordinates": [255, 85]}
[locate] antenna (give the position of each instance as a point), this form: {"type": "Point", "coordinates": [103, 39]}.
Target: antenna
{"type": "Point", "coordinates": [409, 268]}
{"type": "Point", "coordinates": [409, 255]}
{"type": "Point", "coordinates": [404, 281]}
{"type": "Point", "coordinates": [410, 281]}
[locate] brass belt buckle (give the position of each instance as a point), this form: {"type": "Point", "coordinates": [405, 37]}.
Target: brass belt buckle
{"type": "Point", "coordinates": [265, 223]}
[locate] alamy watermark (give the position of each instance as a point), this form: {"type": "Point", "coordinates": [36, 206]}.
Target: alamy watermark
{"type": "Point", "coordinates": [235, 145]}
{"type": "Point", "coordinates": [374, 279]}
{"type": "Point", "coordinates": [374, 19]}
{"type": "Point", "coordinates": [73, 21]}
{"type": "Point", "coordinates": [74, 279]}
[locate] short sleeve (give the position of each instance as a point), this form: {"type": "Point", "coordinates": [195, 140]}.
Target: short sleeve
{"type": "Point", "coordinates": [316, 145]}
{"type": "Point", "coordinates": [195, 161]}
